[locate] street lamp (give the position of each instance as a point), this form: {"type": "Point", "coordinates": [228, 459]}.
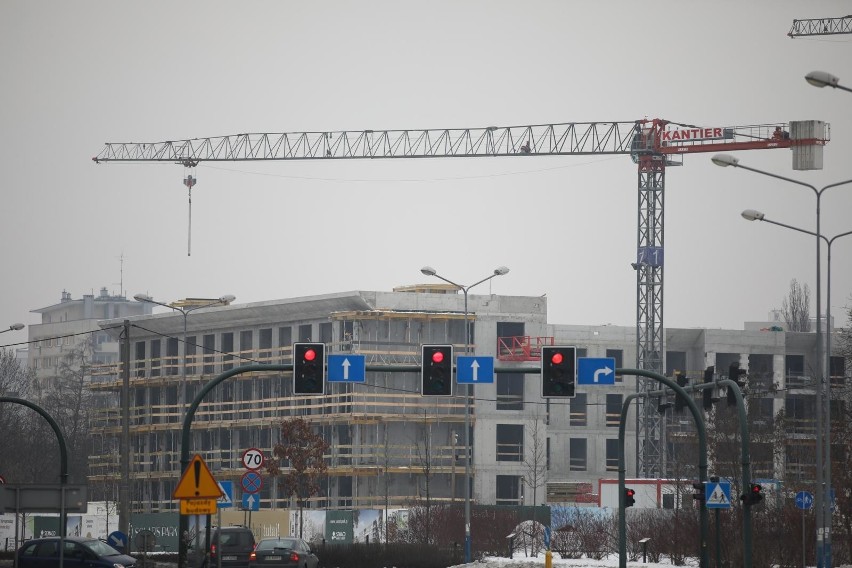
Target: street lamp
{"type": "Point", "coordinates": [752, 215]}
{"type": "Point", "coordinates": [13, 327]}
{"type": "Point", "coordinates": [823, 410]}
{"type": "Point", "coordinates": [183, 523]}
{"type": "Point", "coordinates": [822, 79]}
{"type": "Point", "coordinates": [499, 271]}
{"type": "Point", "coordinates": [222, 301]}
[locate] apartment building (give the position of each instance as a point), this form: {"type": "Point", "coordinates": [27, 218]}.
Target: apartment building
{"type": "Point", "coordinates": [72, 324]}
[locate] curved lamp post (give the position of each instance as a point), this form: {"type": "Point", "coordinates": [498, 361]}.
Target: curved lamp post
{"type": "Point", "coordinates": [13, 327]}
{"type": "Point", "coordinates": [499, 271]}
{"type": "Point", "coordinates": [822, 79]}
{"type": "Point", "coordinates": [823, 410]}
{"type": "Point", "coordinates": [752, 215]}
{"type": "Point", "coordinates": [823, 438]}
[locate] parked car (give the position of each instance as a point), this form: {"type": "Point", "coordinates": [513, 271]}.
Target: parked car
{"type": "Point", "coordinates": [286, 552]}
{"type": "Point", "coordinates": [79, 552]}
{"type": "Point", "coordinates": [230, 546]}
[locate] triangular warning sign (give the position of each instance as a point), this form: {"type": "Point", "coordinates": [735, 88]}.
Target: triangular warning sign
{"type": "Point", "coordinates": [718, 497]}
{"type": "Point", "coordinates": [197, 482]}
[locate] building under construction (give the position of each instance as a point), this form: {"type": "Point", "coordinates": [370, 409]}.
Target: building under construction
{"type": "Point", "coordinates": [390, 446]}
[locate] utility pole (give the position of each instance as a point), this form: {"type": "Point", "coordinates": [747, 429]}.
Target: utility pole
{"type": "Point", "coordinates": [124, 482]}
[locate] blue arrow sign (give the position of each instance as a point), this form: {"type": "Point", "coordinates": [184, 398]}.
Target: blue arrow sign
{"type": "Point", "coordinates": [251, 502]}
{"type": "Point", "coordinates": [717, 495]}
{"type": "Point", "coordinates": [804, 500]}
{"type": "Point", "coordinates": [227, 498]}
{"type": "Point", "coordinates": [596, 371]}
{"type": "Point", "coordinates": [346, 369]}
{"type": "Point", "coordinates": [117, 539]}
{"type": "Point", "coordinates": [474, 370]}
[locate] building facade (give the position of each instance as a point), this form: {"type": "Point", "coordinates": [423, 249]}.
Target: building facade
{"type": "Point", "coordinates": [390, 446]}
{"type": "Point", "coordinates": [73, 325]}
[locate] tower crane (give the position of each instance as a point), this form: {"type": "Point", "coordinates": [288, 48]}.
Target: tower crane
{"type": "Point", "coordinates": [821, 26]}
{"type": "Point", "coordinates": [653, 144]}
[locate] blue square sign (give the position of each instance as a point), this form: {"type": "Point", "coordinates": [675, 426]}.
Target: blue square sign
{"type": "Point", "coordinates": [474, 370]}
{"type": "Point", "coordinates": [595, 371]}
{"type": "Point", "coordinates": [346, 369]}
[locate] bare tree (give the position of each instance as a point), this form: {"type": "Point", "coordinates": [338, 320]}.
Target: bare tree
{"type": "Point", "coordinates": [22, 428]}
{"type": "Point", "coordinates": [71, 402]}
{"type": "Point", "coordinates": [424, 456]}
{"type": "Point", "coordinates": [302, 452]}
{"type": "Point", "coordinates": [796, 307]}
{"type": "Point", "coordinates": [535, 477]}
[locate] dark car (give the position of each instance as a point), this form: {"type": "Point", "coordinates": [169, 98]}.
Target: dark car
{"type": "Point", "coordinates": [230, 546]}
{"type": "Point", "coordinates": [285, 552]}
{"type": "Point", "coordinates": [79, 552]}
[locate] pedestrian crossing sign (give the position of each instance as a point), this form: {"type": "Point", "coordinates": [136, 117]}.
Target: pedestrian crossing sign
{"type": "Point", "coordinates": [717, 495]}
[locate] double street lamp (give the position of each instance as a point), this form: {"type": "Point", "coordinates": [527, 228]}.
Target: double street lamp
{"type": "Point", "coordinates": [823, 409]}
{"type": "Point", "coordinates": [499, 271]}
{"type": "Point", "coordinates": [222, 301]}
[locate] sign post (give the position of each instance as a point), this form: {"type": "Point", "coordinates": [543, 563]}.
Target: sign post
{"type": "Point", "coordinates": [804, 501]}
{"type": "Point", "coordinates": [251, 481]}
{"type": "Point", "coordinates": [197, 491]}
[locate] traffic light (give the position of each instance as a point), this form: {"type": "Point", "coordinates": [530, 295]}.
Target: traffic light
{"type": "Point", "coordinates": [699, 494]}
{"type": "Point", "coordinates": [734, 374]}
{"type": "Point", "coordinates": [308, 368]}
{"type": "Point", "coordinates": [629, 499]}
{"type": "Point", "coordinates": [436, 375]}
{"type": "Point", "coordinates": [708, 393]}
{"type": "Point", "coordinates": [682, 381]}
{"type": "Point", "coordinates": [558, 371]}
{"type": "Point", "coordinates": [753, 496]}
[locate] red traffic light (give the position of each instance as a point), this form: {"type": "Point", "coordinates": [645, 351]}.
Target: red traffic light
{"type": "Point", "coordinates": [437, 356]}
{"type": "Point", "coordinates": [630, 493]}
{"type": "Point", "coordinates": [310, 355]}
{"type": "Point", "coordinates": [557, 358]}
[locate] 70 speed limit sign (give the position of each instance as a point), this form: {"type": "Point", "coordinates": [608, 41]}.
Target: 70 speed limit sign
{"type": "Point", "coordinates": [253, 458]}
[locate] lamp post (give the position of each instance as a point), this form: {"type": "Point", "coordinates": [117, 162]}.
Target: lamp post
{"type": "Point", "coordinates": [224, 300]}
{"type": "Point", "coordinates": [13, 327]}
{"type": "Point", "coordinates": [499, 271]}
{"type": "Point", "coordinates": [752, 215]}
{"type": "Point", "coordinates": [823, 411]}
{"type": "Point", "coordinates": [822, 79]}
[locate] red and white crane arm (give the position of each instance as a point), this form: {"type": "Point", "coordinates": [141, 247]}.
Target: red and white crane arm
{"type": "Point", "coordinates": [646, 136]}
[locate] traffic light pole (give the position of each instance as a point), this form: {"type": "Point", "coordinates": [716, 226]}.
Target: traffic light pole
{"type": "Point", "coordinates": [63, 455]}
{"type": "Point", "coordinates": [183, 522]}
{"type": "Point", "coordinates": [702, 461]}
{"type": "Point", "coordinates": [746, 463]}
{"type": "Point", "coordinates": [745, 459]}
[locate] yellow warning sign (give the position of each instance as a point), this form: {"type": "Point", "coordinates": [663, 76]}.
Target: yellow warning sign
{"type": "Point", "coordinates": [197, 482]}
{"type": "Point", "coordinates": [198, 506]}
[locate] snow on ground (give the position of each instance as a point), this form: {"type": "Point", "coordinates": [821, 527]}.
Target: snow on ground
{"type": "Point", "coordinates": [521, 561]}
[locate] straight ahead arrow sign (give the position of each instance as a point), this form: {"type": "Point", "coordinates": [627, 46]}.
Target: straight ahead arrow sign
{"type": "Point", "coordinates": [474, 370]}
{"type": "Point", "coordinates": [346, 369]}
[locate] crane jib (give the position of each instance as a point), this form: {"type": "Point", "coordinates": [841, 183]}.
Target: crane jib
{"type": "Point", "coordinates": [582, 138]}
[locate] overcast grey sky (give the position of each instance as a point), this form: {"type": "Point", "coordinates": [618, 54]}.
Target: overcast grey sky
{"type": "Point", "coordinates": [78, 74]}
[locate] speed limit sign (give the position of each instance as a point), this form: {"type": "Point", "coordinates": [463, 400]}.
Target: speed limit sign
{"type": "Point", "coordinates": [252, 458]}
